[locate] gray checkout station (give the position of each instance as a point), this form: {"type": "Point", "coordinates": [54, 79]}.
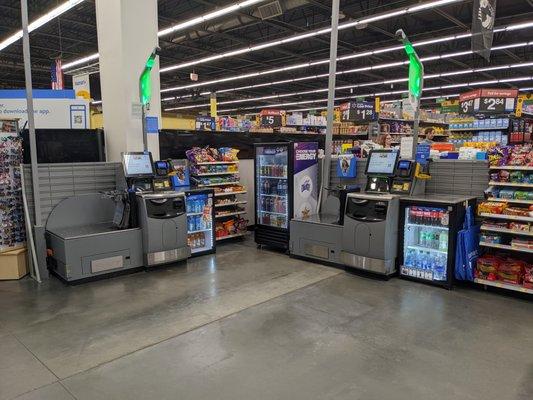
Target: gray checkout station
{"type": "Point", "coordinates": [392, 227]}
{"type": "Point", "coordinates": [142, 225]}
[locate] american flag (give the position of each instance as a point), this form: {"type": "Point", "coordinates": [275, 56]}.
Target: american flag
{"type": "Point", "coordinates": [57, 75]}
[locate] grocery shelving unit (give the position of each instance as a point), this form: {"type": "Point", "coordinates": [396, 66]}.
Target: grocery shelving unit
{"type": "Point", "coordinates": [222, 175]}
{"type": "Point", "coordinates": [507, 232]}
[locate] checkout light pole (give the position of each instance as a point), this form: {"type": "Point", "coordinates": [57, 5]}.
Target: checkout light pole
{"type": "Point", "coordinates": [145, 91]}
{"type": "Point", "coordinates": [331, 95]}
{"type": "Point", "coordinates": [416, 84]}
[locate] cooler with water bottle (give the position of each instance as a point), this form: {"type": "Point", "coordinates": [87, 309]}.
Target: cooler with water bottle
{"type": "Point", "coordinates": [200, 217]}
{"type": "Point", "coordinates": [427, 247]}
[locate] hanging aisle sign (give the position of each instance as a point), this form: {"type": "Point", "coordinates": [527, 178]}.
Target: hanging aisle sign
{"type": "Point", "coordinates": [358, 111]}
{"type": "Point", "coordinates": [271, 118]}
{"type": "Point", "coordinates": [488, 101]}
{"type": "Point", "coordinates": [483, 17]}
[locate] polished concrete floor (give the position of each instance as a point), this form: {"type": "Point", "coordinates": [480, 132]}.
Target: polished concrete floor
{"type": "Point", "coordinates": [255, 324]}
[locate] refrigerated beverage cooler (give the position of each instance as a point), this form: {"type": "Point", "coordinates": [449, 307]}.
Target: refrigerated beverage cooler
{"type": "Point", "coordinates": [286, 186]}
{"type": "Point", "coordinates": [200, 217]}
{"type": "Point", "coordinates": [428, 237]}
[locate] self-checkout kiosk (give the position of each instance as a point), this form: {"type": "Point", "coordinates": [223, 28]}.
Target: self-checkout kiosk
{"type": "Point", "coordinates": [160, 212]}
{"type": "Point", "coordinates": [366, 235]}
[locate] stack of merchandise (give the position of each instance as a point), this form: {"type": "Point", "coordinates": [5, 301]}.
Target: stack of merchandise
{"type": "Point", "coordinates": [219, 169]}
{"type": "Point", "coordinates": [505, 269]}
{"type": "Point", "coordinates": [12, 233]}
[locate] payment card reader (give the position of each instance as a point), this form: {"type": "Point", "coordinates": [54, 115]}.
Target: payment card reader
{"type": "Point", "coordinates": [380, 170]}
{"type": "Point", "coordinates": [406, 181]}
{"type": "Point", "coordinates": [162, 180]}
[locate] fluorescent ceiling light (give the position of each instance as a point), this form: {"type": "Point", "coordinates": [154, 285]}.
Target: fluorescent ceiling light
{"type": "Point", "coordinates": [378, 17]}
{"type": "Point", "coordinates": [54, 13]}
{"type": "Point", "coordinates": [445, 74]}
{"type": "Point", "coordinates": [358, 55]}
{"type": "Point", "coordinates": [81, 61]}
{"type": "Point", "coordinates": [208, 16]}
{"type": "Point", "coordinates": [362, 69]}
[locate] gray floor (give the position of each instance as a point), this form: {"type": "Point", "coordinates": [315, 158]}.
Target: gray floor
{"type": "Point", "coordinates": [255, 324]}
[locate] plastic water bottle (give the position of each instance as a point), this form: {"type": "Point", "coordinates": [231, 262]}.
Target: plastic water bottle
{"type": "Point", "coordinates": [443, 241]}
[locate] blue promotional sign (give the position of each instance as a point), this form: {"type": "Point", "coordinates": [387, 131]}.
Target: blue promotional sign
{"type": "Point", "coordinates": [152, 125]}
{"type": "Point", "coordinates": [305, 179]}
{"type": "Point", "coordinates": [347, 166]}
{"type": "Point", "coordinates": [422, 153]}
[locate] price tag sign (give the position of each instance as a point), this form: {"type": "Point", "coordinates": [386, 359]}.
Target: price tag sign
{"type": "Point", "coordinates": [271, 118]}
{"type": "Point", "coordinates": [489, 101]}
{"type": "Point", "coordinates": [358, 111]}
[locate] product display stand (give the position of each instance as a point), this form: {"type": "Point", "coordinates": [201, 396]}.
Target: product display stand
{"type": "Point", "coordinates": [230, 207]}
{"type": "Point", "coordinates": [13, 233]}
{"type": "Point", "coordinates": [506, 233]}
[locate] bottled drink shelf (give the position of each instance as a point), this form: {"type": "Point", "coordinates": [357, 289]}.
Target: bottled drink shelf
{"type": "Point", "coordinates": [430, 249]}
{"type": "Point", "coordinates": [428, 226]}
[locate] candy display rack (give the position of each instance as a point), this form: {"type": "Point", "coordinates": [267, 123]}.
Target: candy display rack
{"type": "Point", "coordinates": [12, 234]}
{"type": "Point", "coordinates": [219, 169]}
{"type": "Point", "coordinates": [506, 231]}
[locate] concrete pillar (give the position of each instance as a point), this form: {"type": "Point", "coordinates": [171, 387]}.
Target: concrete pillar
{"type": "Point", "coordinates": [127, 34]}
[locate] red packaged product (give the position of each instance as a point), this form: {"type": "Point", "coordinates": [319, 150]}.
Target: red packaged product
{"type": "Point", "coordinates": [528, 276]}
{"type": "Point", "coordinates": [487, 267]}
{"type": "Point", "coordinates": [511, 271]}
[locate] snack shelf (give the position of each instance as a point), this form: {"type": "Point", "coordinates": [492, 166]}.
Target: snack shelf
{"type": "Point", "coordinates": [503, 230]}
{"type": "Point", "coordinates": [218, 184]}
{"type": "Point", "coordinates": [217, 162]}
{"type": "Point", "coordinates": [503, 285]}
{"type": "Point", "coordinates": [429, 249]}
{"type": "Point", "coordinates": [234, 203]}
{"type": "Point", "coordinates": [232, 214]}
{"type": "Point", "coordinates": [513, 167]}
{"type": "Point", "coordinates": [490, 128]}
{"type": "Point", "coordinates": [517, 184]}
{"type": "Point", "coordinates": [231, 236]}
{"type": "Point", "coordinates": [229, 193]}
{"type": "Point", "coordinates": [510, 200]}
{"type": "Point", "coordinates": [509, 217]}
{"type": "Point", "coordinates": [216, 173]}
{"type": "Point", "coordinates": [506, 247]}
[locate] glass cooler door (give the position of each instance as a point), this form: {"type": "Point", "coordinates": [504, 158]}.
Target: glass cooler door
{"type": "Point", "coordinates": [425, 249]}
{"type": "Point", "coordinates": [272, 185]}
{"type": "Point", "coordinates": [200, 222]}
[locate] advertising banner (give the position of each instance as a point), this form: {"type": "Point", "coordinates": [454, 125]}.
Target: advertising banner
{"type": "Point", "coordinates": [82, 86]}
{"type": "Point", "coordinates": [53, 109]}
{"type": "Point", "coordinates": [483, 17]}
{"type": "Point", "coordinates": [347, 166]}
{"type": "Point", "coordinates": [305, 179]}
{"type": "Point", "coordinates": [488, 101]}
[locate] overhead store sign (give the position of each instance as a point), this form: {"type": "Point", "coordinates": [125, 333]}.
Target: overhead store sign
{"type": "Point", "coordinates": [271, 118]}
{"type": "Point", "coordinates": [450, 106]}
{"type": "Point", "coordinates": [488, 101]}
{"type": "Point", "coordinates": [358, 111]}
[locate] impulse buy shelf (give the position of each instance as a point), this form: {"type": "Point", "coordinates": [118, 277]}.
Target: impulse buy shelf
{"type": "Point", "coordinates": [223, 176]}
{"type": "Point", "coordinates": [505, 232]}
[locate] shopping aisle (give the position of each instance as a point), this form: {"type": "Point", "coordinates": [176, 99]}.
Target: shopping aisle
{"type": "Point", "coordinates": [280, 328]}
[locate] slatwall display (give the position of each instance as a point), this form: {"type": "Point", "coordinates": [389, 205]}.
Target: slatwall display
{"type": "Point", "coordinates": [454, 177]}
{"type": "Point", "coordinates": [59, 181]}
{"type": "Point", "coordinates": [12, 233]}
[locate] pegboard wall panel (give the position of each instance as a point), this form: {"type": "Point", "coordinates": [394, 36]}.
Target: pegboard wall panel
{"type": "Point", "coordinates": [59, 181]}
{"type": "Point", "coordinates": [456, 177]}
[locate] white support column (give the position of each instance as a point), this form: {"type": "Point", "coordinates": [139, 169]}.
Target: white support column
{"type": "Point", "coordinates": [127, 34]}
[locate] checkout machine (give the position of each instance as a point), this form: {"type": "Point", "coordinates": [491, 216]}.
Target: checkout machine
{"type": "Point", "coordinates": [160, 211]}
{"type": "Point", "coordinates": [92, 235]}
{"type": "Point", "coordinates": [364, 233]}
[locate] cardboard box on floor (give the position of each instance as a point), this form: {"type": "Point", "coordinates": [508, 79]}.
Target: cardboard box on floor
{"type": "Point", "coordinates": [13, 264]}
